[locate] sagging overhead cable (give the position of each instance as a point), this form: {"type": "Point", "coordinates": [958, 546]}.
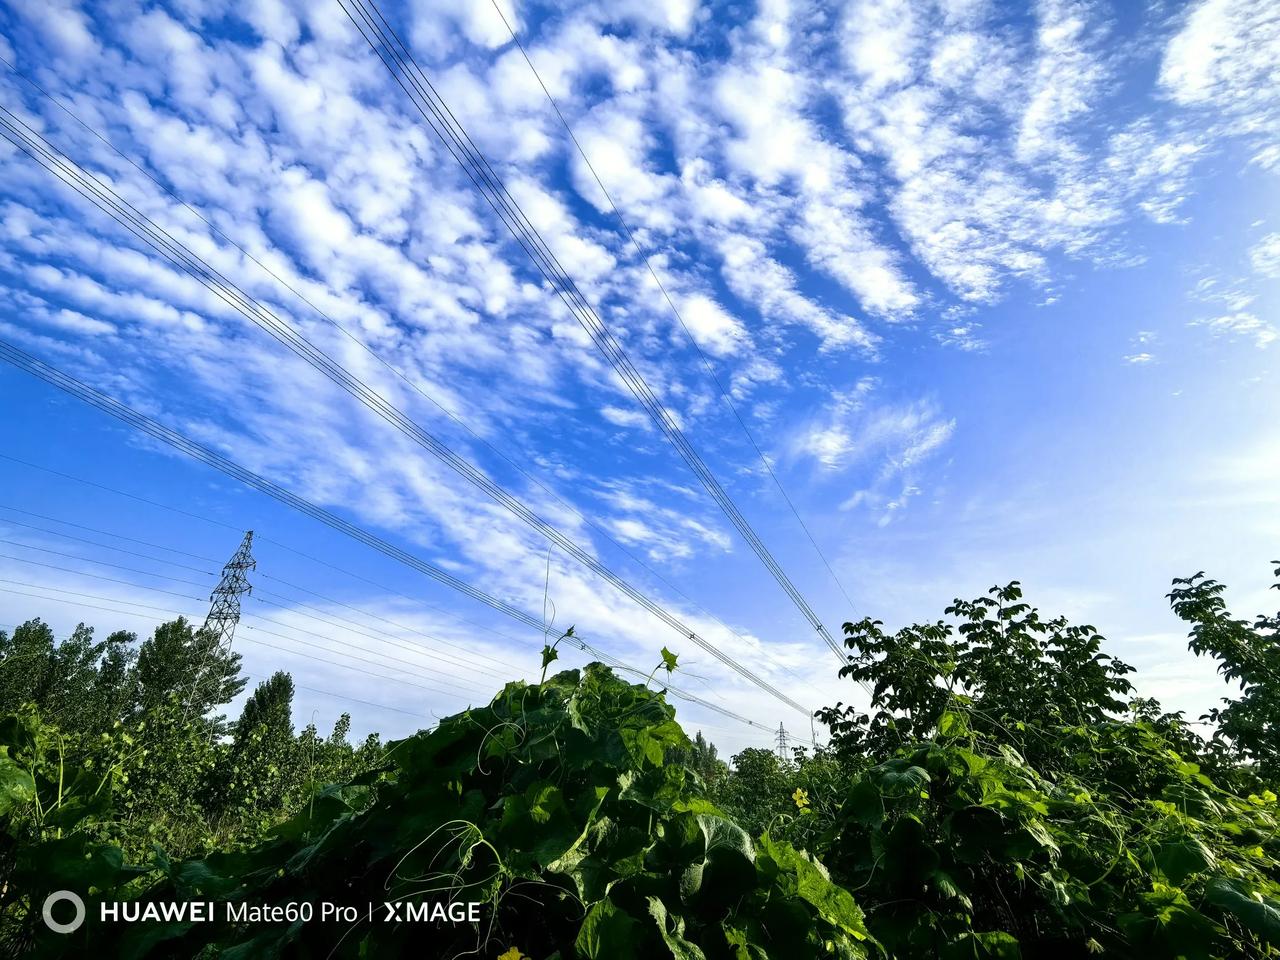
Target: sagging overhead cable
{"type": "Point", "coordinates": [693, 341]}
{"type": "Point", "coordinates": [39, 149]}
{"type": "Point", "coordinates": [398, 59]}
{"type": "Point", "coordinates": [158, 431]}
{"type": "Point", "coordinates": [409, 381]}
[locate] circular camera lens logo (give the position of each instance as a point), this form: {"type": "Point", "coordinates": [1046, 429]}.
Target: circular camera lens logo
{"type": "Point", "coordinates": [55, 898]}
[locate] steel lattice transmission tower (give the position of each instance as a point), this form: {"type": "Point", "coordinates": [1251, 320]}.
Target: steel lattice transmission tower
{"type": "Point", "coordinates": [783, 737]}
{"type": "Point", "coordinates": [224, 612]}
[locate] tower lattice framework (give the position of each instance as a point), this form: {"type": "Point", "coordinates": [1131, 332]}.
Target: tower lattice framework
{"type": "Point", "coordinates": [224, 613]}
{"type": "Point", "coordinates": [224, 609]}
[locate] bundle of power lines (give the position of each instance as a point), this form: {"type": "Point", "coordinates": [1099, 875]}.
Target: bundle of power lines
{"type": "Point", "coordinates": [386, 43]}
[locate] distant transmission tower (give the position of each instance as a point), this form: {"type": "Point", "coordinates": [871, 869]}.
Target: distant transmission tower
{"type": "Point", "coordinates": [224, 612]}
{"type": "Point", "coordinates": [782, 742]}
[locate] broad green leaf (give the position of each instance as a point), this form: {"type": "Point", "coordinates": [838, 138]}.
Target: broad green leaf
{"type": "Point", "coordinates": [744, 944]}
{"type": "Point", "coordinates": [726, 858]}
{"type": "Point", "coordinates": [899, 778]}
{"type": "Point", "coordinates": [1178, 859]}
{"type": "Point", "coordinates": [672, 927]}
{"type": "Point", "coordinates": [813, 884]}
{"type": "Point", "coordinates": [991, 945]}
{"type": "Point", "coordinates": [17, 787]}
{"type": "Point", "coordinates": [607, 933]}
{"type": "Point", "coordinates": [1257, 913]}
{"type": "Point", "coordinates": [952, 724]}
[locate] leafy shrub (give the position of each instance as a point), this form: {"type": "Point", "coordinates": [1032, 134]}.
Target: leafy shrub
{"type": "Point", "coordinates": [554, 807]}
{"type": "Point", "coordinates": [1247, 654]}
{"type": "Point", "coordinates": [959, 847]}
{"type": "Point", "coordinates": [1017, 809]}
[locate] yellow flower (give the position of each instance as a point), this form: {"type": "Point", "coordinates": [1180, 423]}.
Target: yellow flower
{"type": "Point", "coordinates": [801, 797]}
{"type": "Point", "coordinates": [513, 954]}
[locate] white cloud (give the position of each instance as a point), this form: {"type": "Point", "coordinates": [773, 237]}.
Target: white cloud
{"type": "Point", "coordinates": [713, 328]}
{"type": "Point", "coordinates": [62, 23]}
{"type": "Point", "coordinates": [625, 418]}
{"type": "Point", "coordinates": [759, 279]}
{"type": "Point", "coordinates": [77, 322]}
{"type": "Point", "coordinates": [1242, 325]}
{"type": "Point", "coordinates": [896, 436]}
{"type": "Point", "coordinates": [1265, 255]}
{"type": "Point", "coordinates": [1224, 61]}
{"type": "Point", "coordinates": [437, 24]}
{"type": "Point", "coordinates": [1067, 77]}
{"type": "Point", "coordinates": [674, 16]}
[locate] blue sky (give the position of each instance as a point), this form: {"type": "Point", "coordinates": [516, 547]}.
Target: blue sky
{"type": "Point", "coordinates": [994, 287]}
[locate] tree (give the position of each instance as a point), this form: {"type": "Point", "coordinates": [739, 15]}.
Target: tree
{"type": "Point", "coordinates": [114, 693]}
{"type": "Point", "coordinates": [190, 664]}
{"type": "Point", "coordinates": [269, 706]}
{"type": "Point", "coordinates": [262, 760]}
{"type": "Point", "coordinates": [1248, 654]}
{"type": "Point", "coordinates": [122, 718]}
{"type": "Point", "coordinates": [702, 758]}
{"type": "Point", "coordinates": [25, 657]}
{"type": "Point", "coordinates": [1015, 805]}
{"type": "Point", "coordinates": [1009, 671]}
{"type": "Point", "coordinates": [61, 679]}
{"type": "Point", "coordinates": [758, 788]}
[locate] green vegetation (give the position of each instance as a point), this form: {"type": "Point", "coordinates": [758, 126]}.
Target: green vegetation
{"type": "Point", "coordinates": [1005, 794]}
{"type": "Point", "coordinates": [120, 726]}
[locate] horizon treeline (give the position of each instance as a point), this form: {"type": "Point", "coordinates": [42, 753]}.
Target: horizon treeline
{"type": "Point", "coordinates": [192, 779]}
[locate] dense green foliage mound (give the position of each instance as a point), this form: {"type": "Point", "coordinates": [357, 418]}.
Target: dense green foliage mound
{"type": "Point", "coordinates": [553, 807]}
{"type": "Point", "coordinates": [1003, 795]}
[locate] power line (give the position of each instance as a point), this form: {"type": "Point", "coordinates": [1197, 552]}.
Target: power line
{"type": "Point", "coordinates": [101, 563]}
{"type": "Point", "coordinates": [302, 686]}
{"type": "Point", "coordinates": [409, 381]}
{"type": "Point", "coordinates": [399, 626]}
{"type": "Point", "coordinates": [180, 596]}
{"type": "Point", "coordinates": [583, 646]}
{"type": "Point", "coordinates": [706, 362]}
{"type": "Point", "coordinates": [152, 428]}
{"type": "Point", "coordinates": [121, 493]}
{"type": "Point", "coordinates": [348, 699]}
{"type": "Point", "coordinates": [170, 612]}
{"type": "Point", "coordinates": [349, 656]}
{"type": "Point", "coordinates": [104, 546]}
{"type": "Point", "coordinates": [532, 624]}
{"type": "Point", "coordinates": [97, 576]}
{"type": "Point", "coordinates": [107, 533]}
{"type": "Point", "coordinates": [419, 668]}
{"type": "Point", "coordinates": [353, 627]}
{"type": "Point", "coordinates": [124, 213]}
{"type": "Point", "coordinates": [574, 641]}
{"type": "Point", "coordinates": [381, 638]}
{"type": "Point", "coordinates": [73, 593]}
{"type": "Point", "coordinates": [266, 576]}
{"type": "Point", "coordinates": [398, 59]}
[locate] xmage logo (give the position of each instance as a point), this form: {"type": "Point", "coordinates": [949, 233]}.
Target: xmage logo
{"type": "Point", "coordinates": [430, 911]}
